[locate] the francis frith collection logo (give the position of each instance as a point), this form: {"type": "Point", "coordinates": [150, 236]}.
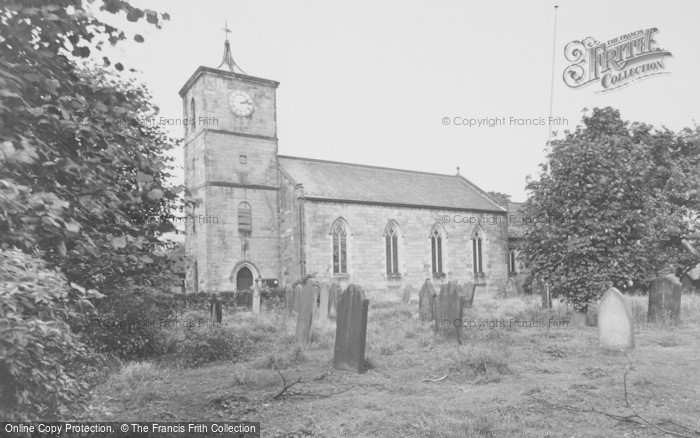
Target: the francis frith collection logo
{"type": "Point", "coordinates": [614, 63]}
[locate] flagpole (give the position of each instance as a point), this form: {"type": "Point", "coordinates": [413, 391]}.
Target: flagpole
{"type": "Point", "coordinates": [551, 88]}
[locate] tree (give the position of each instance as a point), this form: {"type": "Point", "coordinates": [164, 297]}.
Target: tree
{"type": "Point", "coordinates": [82, 178]}
{"type": "Point", "coordinates": [44, 368]}
{"type": "Point", "coordinates": [611, 206]}
{"type": "Point", "coordinates": [499, 198]}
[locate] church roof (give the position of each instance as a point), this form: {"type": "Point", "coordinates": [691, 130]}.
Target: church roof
{"type": "Point", "coordinates": [357, 183]}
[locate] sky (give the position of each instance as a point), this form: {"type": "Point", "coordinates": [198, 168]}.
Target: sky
{"type": "Point", "coordinates": [370, 82]}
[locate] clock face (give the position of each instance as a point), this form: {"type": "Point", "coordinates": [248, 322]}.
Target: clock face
{"type": "Point", "coordinates": [240, 102]}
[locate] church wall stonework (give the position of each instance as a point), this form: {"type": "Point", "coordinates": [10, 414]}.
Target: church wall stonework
{"type": "Point", "coordinates": [290, 232]}
{"type": "Point", "coordinates": [226, 247]}
{"type": "Point", "coordinates": [367, 251]}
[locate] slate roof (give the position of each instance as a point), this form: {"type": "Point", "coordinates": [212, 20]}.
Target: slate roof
{"type": "Point", "coordinates": [357, 183]}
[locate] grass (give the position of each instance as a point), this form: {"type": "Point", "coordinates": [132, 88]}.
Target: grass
{"type": "Point", "coordinates": [505, 380]}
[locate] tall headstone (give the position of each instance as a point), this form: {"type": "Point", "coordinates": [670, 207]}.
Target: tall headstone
{"type": "Point", "coordinates": [215, 309]}
{"type": "Point", "coordinates": [317, 296]}
{"type": "Point", "coordinates": [325, 302]}
{"type": "Point", "coordinates": [665, 299]}
{"type": "Point", "coordinates": [407, 292]}
{"type": "Point", "coordinates": [289, 299]}
{"type": "Point", "coordinates": [469, 290]}
{"type": "Point", "coordinates": [449, 312]}
{"type": "Point", "coordinates": [256, 299]}
{"type": "Point", "coordinates": [307, 302]}
{"type": "Point", "coordinates": [511, 288]}
{"type": "Point", "coordinates": [426, 301]}
{"type": "Point", "coordinates": [615, 322]}
{"type": "Point", "coordinates": [333, 297]}
{"type": "Point", "coordinates": [351, 330]}
{"type": "Point", "coordinates": [541, 288]}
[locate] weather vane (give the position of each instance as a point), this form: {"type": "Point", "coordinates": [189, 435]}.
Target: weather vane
{"type": "Point", "coordinates": [228, 58]}
{"type": "Point", "coordinates": [226, 29]}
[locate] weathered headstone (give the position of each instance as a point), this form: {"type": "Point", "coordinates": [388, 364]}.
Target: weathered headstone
{"type": "Point", "coordinates": [449, 312]}
{"type": "Point", "coordinates": [325, 302]}
{"type": "Point", "coordinates": [407, 292]}
{"type": "Point", "coordinates": [592, 315]}
{"type": "Point", "coordinates": [351, 330]}
{"type": "Point", "coordinates": [426, 301]}
{"type": "Point", "coordinates": [541, 288]}
{"type": "Point", "coordinates": [215, 309]}
{"type": "Point", "coordinates": [333, 297]}
{"type": "Point", "coordinates": [511, 289]}
{"type": "Point", "coordinates": [547, 297]}
{"type": "Point", "coordinates": [256, 299]}
{"type": "Point", "coordinates": [317, 296]}
{"type": "Point", "coordinates": [289, 299]}
{"type": "Point", "coordinates": [615, 322]}
{"type": "Point", "coordinates": [665, 299]}
{"type": "Point", "coordinates": [307, 302]}
{"type": "Point", "coordinates": [469, 290]}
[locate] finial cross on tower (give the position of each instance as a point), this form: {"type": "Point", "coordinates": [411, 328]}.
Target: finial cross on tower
{"type": "Point", "coordinates": [226, 29]}
{"type": "Point", "coordinates": [228, 58]}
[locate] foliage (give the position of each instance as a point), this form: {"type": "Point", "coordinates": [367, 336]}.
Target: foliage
{"type": "Point", "coordinates": [212, 343]}
{"type": "Point", "coordinates": [82, 177]}
{"type": "Point", "coordinates": [611, 205]}
{"type": "Point", "coordinates": [127, 322]}
{"type": "Point", "coordinates": [44, 368]}
{"type": "Point", "coordinates": [499, 198]}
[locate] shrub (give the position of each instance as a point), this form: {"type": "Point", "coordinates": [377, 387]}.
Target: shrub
{"type": "Point", "coordinates": [127, 323]}
{"type": "Point", "coordinates": [211, 344]}
{"type": "Point", "coordinates": [44, 368]}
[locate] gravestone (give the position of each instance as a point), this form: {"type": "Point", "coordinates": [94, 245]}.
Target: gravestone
{"type": "Point", "coordinates": [449, 312]}
{"type": "Point", "coordinates": [256, 299]}
{"type": "Point", "coordinates": [615, 322]}
{"type": "Point", "coordinates": [665, 299]}
{"type": "Point", "coordinates": [306, 303]}
{"type": "Point", "coordinates": [215, 309]}
{"type": "Point", "coordinates": [289, 299]}
{"type": "Point", "coordinates": [541, 288]}
{"type": "Point", "coordinates": [333, 297]}
{"type": "Point", "coordinates": [511, 288]}
{"type": "Point", "coordinates": [426, 301]}
{"type": "Point", "coordinates": [592, 315]}
{"type": "Point", "coordinates": [407, 292]}
{"type": "Point", "coordinates": [297, 296]}
{"type": "Point", "coordinates": [351, 330]}
{"type": "Point", "coordinates": [317, 296]}
{"type": "Point", "coordinates": [469, 289]}
{"type": "Point", "coordinates": [325, 302]}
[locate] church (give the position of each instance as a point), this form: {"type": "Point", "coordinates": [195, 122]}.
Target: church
{"type": "Point", "coordinates": [275, 218]}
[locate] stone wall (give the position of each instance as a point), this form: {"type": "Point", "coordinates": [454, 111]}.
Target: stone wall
{"type": "Point", "coordinates": [367, 251]}
{"type": "Point", "coordinates": [290, 209]}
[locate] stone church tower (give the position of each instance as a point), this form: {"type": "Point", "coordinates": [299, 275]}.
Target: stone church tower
{"type": "Point", "coordinates": [230, 148]}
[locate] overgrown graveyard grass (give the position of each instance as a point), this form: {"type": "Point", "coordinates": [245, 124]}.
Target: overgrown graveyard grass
{"type": "Point", "coordinates": [503, 380]}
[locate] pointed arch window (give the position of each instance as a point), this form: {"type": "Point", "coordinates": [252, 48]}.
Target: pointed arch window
{"type": "Point", "coordinates": [436, 239]}
{"type": "Point", "coordinates": [477, 252]}
{"type": "Point", "coordinates": [511, 262]}
{"type": "Point", "coordinates": [391, 240]}
{"type": "Point", "coordinates": [245, 219]}
{"type": "Point", "coordinates": [340, 248]}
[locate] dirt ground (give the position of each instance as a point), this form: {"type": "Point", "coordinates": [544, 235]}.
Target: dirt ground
{"type": "Point", "coordinates": [502, 381]}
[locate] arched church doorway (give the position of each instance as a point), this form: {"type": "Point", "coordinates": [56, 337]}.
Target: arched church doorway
{"type": "Point", "coordinates": [244, 279]}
